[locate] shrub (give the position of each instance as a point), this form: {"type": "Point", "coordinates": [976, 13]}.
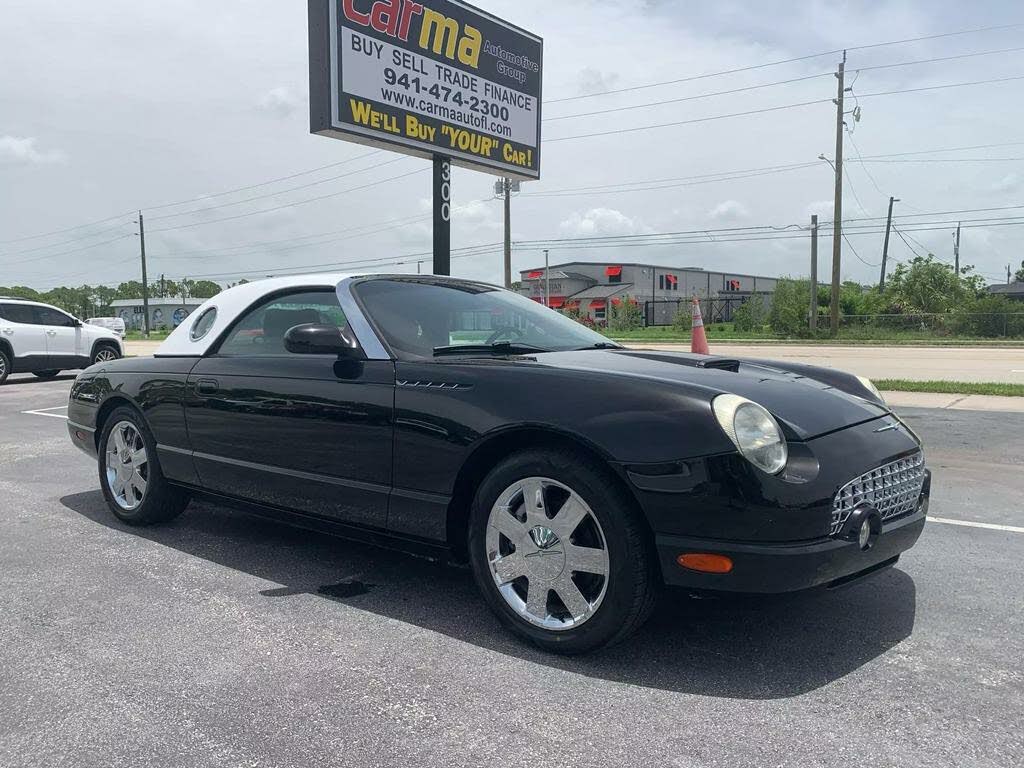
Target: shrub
{"type": "Point", "coordinates": [990, 316]}
{"type": "Point", "coordinates": [625, 316]}
{"type": "Point", "coordinates": [751, 315]}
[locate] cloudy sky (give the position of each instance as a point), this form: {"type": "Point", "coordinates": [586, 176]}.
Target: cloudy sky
{"type": "Point", "coordinates": [113, 105]}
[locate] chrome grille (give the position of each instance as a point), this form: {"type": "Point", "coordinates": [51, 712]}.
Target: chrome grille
{"type": "Point", "coordinates": [892, 489]}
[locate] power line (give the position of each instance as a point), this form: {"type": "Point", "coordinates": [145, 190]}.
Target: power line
{"type": "Point", "coordinates": [942, 86]}
{"type": "Point", "coordinates": [764, 110]}
{"type": "Point", "coordinates": [262, 183]}
{"type": "Point", "coordinates": [859, 258]}
{"type": "Point", "coordinates": [293, 204]}
{"type": "Point", "coordinates": [398, 159]}
{"type": "Point", "coordinates": [347, 234]}
{"type": "Point", "coordinates": [671, 183]}
{"type": "Point", "coordinates": [687, 98]}
{"type": "Point", "coordinates": [182, 202]}
{"type": "Point", "coordinates": [938, 59]}
{"type": "Point", "coordinates": [761, 111]}
{"type": "Point", "coordinates": [49, 256]}
{"type": "Point", "coordinates": [471, 250]}
{"type": "Point", "coordinates": [784, 61]}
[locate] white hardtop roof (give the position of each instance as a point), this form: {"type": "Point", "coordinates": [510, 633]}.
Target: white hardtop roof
{"type": "Point", "coordinates": [232, 302]}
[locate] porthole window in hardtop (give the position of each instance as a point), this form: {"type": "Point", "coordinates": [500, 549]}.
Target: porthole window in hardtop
{"type": "Point", "coordinates": [203, 324]}
{"type": "Point", "coordinates": [261, 331]}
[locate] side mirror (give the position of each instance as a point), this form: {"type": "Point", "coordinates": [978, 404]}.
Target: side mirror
{"type": "Point", "coordinates": [321, 339]}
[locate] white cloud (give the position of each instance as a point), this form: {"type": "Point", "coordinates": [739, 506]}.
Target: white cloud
{"type": "Point", "coordinates": [601, 221]}
{"type": "Point", "coordinates": [592, 80]}
{"type": "Point", "coordinates": [14, 149]}
{"type": "Point", "coordinates": [279, 102]}
{"type": "Point", "coordinates": [823, 209]}
{"type": "Point", "coordinates": [729, 210]}
{"type": "Point", "coordinates": [1009, 183]}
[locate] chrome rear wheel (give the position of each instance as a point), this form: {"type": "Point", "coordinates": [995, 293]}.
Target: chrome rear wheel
{"type": "Point", "coordinates": [547, 553]}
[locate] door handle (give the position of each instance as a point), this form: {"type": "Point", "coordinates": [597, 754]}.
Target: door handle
{"type": "Point", "coordinates": [51, 333]}
{"type": "Point", "coordinates": [207, 386]}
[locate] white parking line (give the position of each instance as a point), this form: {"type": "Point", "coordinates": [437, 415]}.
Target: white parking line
{"type": "Point", "coordinates": [43, 412]}
{"type": "Point", "coordinates": [972, 524]}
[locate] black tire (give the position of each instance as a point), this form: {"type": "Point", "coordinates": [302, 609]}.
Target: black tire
{"type": "Point", "coordinates": [633, 583]}
{"type": "Point", "coordinates": [45, 374]}
{"type": "Point", "coordinates": [161, 501]}
{"type": "Point", "coordinates": [5, 365]}
{"type": "Point", "coordinates": [100, 348]}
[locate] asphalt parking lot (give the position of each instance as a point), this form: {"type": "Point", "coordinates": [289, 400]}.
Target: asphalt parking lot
{"type": "Point", "coordinates": [225, 640]}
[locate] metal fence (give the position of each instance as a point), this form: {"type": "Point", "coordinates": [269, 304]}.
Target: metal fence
{"type": "Point", "coordinates": [714, 310]}
{"type": "Point", "coordinates": [936, 325]}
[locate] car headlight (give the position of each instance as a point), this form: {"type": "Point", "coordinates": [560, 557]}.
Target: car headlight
{"type": "Point", "coordinates": [753, 430]}
{"type": "Point", "coordinates": [870, 387]}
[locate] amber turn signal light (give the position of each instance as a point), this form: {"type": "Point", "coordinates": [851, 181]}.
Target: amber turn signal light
{"type": "Point", "coordinates": [705, 563]}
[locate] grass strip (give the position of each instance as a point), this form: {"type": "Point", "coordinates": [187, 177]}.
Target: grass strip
{"type": "Point", "coordinates": [952, 387]}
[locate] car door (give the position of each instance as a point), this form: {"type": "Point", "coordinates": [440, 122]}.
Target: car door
{"type": "Point", "coordinates": [63, 338]}
{"type": "Point", "coordinates": [309, 433]}
{"type": "Point", "coordinates": [25, 337]}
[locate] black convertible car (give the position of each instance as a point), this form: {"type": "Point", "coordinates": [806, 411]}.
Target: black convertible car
{"type": "Point", "coordinates": [461, 420]}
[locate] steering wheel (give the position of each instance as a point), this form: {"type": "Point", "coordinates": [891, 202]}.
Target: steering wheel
{"type": "Point", "coordinates": [511, 331]}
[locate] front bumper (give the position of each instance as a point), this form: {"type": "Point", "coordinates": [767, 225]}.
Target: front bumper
{"type": "Point", "coordinates": [789, 567]}
{"type": "Point", "coordinates": [83, 438]}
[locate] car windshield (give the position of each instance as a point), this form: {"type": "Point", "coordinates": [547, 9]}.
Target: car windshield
{"type": "Point", "coordinates": [417, 317]}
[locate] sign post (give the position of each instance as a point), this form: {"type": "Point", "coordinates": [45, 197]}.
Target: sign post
{"type": "Point", "coordinates": [442, 216]}
{"type": "Point", "coordinates": [438, 79]}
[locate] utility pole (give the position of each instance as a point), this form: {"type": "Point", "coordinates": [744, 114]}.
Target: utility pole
{"type": "Point", "coordinates": [507, 189]}
{"type": "Point", "coordinates": [837, 215]}
{"type": "Point", "coordinates": [145, 280]}
{"type": "Point", "coordinates": [885, 246]}
{"type": "Point", "coordinates": [547, 281]}
{"type": "Point", "coordinates": [813, 316]}
{"type": "Point", "coordinates": [1008, 272]}
{"type": "Point", "coordinates": [956, 252]}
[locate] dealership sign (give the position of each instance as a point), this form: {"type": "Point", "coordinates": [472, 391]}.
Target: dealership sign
{"type": "Point", "coordinates": [437, 78]}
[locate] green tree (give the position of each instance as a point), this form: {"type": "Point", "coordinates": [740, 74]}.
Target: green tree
{"type": "Point", "coordinates": [1018, 276]}
{"type": "Point", "coordinates": [625, 316]}
{"type": "Point", "coordinates": [204, 289]}
{"type": "Point", "coordinates": [20, 292]}
{"type": "Point", "coordinates": [790, 302]}
{"type": "Point", "coordinates": [130, 290]}
{"type": "Point", "coordinates": [926, 286]}
{"type": "Point", "coordinates": [751, 315]}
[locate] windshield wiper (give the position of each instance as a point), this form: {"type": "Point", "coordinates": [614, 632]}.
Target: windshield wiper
{"type": "Point", "coordinates": [600, 345]}
{"type": "Point", "coordinates": [498, 347]}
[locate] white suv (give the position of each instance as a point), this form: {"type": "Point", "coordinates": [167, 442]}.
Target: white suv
{"type": "Point", "coordinates": [40, 339]}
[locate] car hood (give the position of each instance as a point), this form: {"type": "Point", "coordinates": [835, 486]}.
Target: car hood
{"type": "Point", "coordinates": [807, 407]}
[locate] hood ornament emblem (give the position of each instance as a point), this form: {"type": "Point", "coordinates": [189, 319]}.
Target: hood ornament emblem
{"type": "Point", "coordinates": [888, 427]}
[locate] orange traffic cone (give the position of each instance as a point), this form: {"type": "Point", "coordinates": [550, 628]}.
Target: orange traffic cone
{"type": "Point", "coordinates": [698, 339]}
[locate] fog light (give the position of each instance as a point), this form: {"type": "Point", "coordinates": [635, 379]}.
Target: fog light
{"type": "Point", "coordinates": [864, 535]}
{"type": "Point", "coordinates": [705, 563]}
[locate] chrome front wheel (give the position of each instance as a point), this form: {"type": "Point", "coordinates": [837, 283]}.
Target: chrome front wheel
{"type": "Point", "coordinates": [547, 553]}
{"type": "Point", "coordinates": [127, 466]}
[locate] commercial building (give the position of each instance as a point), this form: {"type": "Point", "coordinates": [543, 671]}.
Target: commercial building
{"type": "Point", "coordinates": [163, 313]}
{"type": "Point", "coordinates": [1014, 290]}
{"type": "Point", "coordinates": [593, 287]}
